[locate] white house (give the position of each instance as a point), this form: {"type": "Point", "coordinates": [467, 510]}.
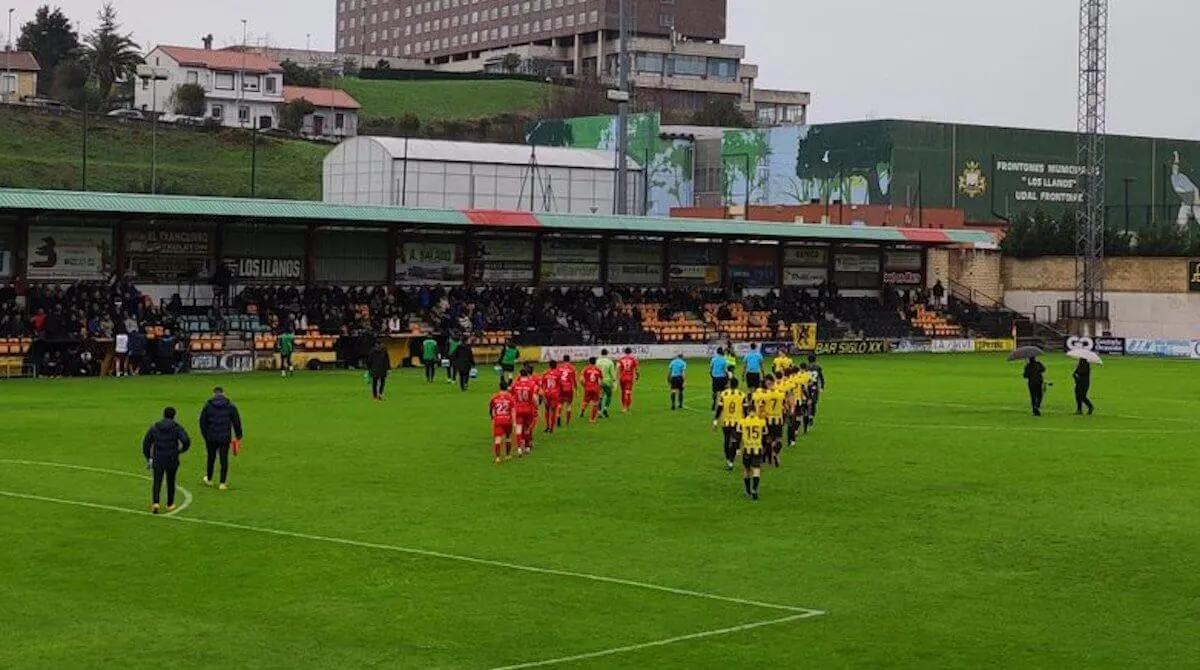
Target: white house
{"type": "Point", "coordinates": [336, 114]}
{"type": "Point", "coordinates": [243, 89]}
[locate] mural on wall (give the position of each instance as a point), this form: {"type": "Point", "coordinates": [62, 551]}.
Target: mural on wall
{"type": "Point", "coordinates": [1189, 195]}
{"type": "Point", "coordinates": [667, 163]}
{"type": "Point", "coordinates": [795, 165]}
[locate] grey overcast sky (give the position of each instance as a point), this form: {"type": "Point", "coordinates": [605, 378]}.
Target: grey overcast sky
{"type": "Point", "coordinates": [1006, 62]}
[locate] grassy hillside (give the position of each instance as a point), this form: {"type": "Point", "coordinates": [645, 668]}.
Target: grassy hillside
{"type": "Point", "coordinates": [446, 100]}
{"type": "Point", "coordinates": [44, 151]}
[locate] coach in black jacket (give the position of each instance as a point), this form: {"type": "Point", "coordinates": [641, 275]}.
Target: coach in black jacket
{"type": "Point", "coordinates": [220, 424]}
{"type": "Point", "coordinates": [161, 447]}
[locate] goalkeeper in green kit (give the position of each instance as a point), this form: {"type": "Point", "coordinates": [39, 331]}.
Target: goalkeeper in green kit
{"type": "Point", "coordinates": [286, 344]}
{"type": "Point", "coordinates": [609, 369]}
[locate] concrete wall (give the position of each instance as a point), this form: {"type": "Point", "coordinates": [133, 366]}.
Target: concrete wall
{"type": "Point", "coordinates": [1147, 296]}
{"type": "Point", "coordinates": [1148, 315]}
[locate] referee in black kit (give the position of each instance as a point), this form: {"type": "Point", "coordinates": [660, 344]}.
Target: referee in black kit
{"type": "Point", "coordinates": [161, 447]}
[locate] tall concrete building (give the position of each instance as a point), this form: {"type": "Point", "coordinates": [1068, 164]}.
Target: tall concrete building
{"type": "Point", "coordinates": [678, 59]}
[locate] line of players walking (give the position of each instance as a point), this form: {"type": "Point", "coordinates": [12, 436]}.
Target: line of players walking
{"type": "Point", "coordinates": [514, 410]}
{"type": "Point", "coordinates": [775, 410]}
{"type": "Point", "coordinates": [778, 407]}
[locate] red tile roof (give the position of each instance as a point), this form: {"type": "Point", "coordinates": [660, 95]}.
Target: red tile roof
{"type": "Point", "coordinates": [18, 60]}
{"type": "Point", "coordinates": [226, 61]}
{"type": "Point", "coordinates": [321, 97]}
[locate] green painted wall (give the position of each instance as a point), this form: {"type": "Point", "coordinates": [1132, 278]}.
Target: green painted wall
{"type": "Point", "coordinates": [990, 171]}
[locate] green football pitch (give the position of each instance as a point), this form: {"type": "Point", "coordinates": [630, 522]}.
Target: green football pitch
{"type": "Point", "coordinates": [928, 521]}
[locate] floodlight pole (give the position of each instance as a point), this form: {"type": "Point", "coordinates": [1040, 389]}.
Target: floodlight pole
{"type": "Point", "coordinates": [623, 111]}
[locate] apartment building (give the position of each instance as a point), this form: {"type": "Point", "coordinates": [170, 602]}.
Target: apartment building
{"type": "Point", "coordinates": [678, 60]}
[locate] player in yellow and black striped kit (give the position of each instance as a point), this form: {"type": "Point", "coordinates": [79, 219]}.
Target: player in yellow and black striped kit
{"type": "Point", "coordinates": [731, 408]}
{"type": "Point", "coordinates": [753, 432]}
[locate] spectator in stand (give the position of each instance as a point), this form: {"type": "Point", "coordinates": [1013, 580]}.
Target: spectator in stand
{"type": "Point", "coordinates": [939, 295]}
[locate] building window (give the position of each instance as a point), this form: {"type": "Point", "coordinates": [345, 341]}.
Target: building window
{"type": "Point", "coordinates": [243, 114]}
{"type": "Point", "coordinates": [687, 66]}
{"type": "Point", "coordinates": [218, 112]}
{"type": "Point", "coordinates": [339, 120]}
{"type": "Point", "coordinates": [649, 63]}
{"type": "Point", "coordinates": [224, 81]}
{"type": "Point", "coordinates": [766, 115]}
{"type": "Point", "coordinates": [193, 77]}
{"type": "Point", "coordinates": [722, 68]}
{"type": "Point", "coordinates": [269, 82]}
{"type": "Point", "coordinates": [666, 20]}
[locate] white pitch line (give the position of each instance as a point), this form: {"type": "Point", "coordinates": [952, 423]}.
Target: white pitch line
{"type": "Point", "coordinates": [1014, 410]}
{"type": "Point", "coordinates": [187, 495]}
{"type": "Point", "coordinates": [1024, 428]}
{"type": "Point", "coordinates": [658, 643]}
{"type": "Point", "coordinates": [807, 612]}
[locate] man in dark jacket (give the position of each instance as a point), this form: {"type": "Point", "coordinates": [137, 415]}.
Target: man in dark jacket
{"type": "Point", "coordinates": [161, 447]}
{"type": "Point", "coordinates": [220, 425]}
{"type": "Point", "coordinates": [1035, 375]}
{"type": "Point", "coordinates": [462, 362]}
{"type": "Point", "coordinates": [1083, 383]}
{"type": "Point", "coordinates": [378, 364]}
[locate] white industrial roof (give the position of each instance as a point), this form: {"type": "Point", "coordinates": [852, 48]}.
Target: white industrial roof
{"type": "Point", "coordinates": [499, 154]}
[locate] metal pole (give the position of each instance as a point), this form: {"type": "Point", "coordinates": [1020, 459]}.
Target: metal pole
{"type": "Point", "coordinates": [154, 134]}
{"type": "Point", "coordinates": [83, 170]}
{"type": "Point", "coordinates": [746, 211]}
{"type": "Point", "coordinates": [253, 155]}
{"type": "Point", "coordinates": [242, 83]}
{"type": "Point", "coordinates": [1128, 181]}
{"type": "Point", "coordinates": [623, 112]}
{"type": "Point", "coordinates": [8, 47]}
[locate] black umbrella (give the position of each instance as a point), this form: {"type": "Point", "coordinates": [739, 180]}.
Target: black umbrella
{"type": "Point", "coordinates": [1024, 353]}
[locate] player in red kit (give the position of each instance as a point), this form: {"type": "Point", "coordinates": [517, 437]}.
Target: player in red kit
{"type": "Point", "coordinates": [550, 396]}
{"type": "Point", "coordinates": [627, 374]}
{"type": "Point", "coordinates": [502, 409]}
{"type": "Point", "coordinates": [592, 379]}
{"type": "Point", "coordinates": [566, 389]}
{"type": "Point", "coordinates": [525, 392]}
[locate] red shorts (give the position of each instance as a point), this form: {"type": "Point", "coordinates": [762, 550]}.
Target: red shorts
{"type": "Point", "coordinates": [566, 397]}
{"type": "Point", "coordinates": [526, 416]}
{"type": "Point", "coordinates": [502, 429]}
{"type": "Point", "coordinates": [626, 384]}
{"type": "Point", "coordinates": [551, 400]}
{"type": "Point", "coordinates": [591, 395]}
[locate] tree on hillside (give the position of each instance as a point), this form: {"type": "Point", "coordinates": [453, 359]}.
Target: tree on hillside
{"type": "Point", "coordinates": [721, 113]}
{"type": "Point", "coordinates": [69, 83]}
{"type": "Point", "coordinates": [51, 39]}
{"type": "Point", "coordinates": [292, 117]}
{"type": "Point", "coordinates": [295, 74]}
{"type": "Point", "coordinates": [188, 100]}
{"type": "Point", "coordinates": [588, 97]}
{"type": "Point", "coordinates": [111, 55]}
{"type": "Point", "coordinates": [511, 63]}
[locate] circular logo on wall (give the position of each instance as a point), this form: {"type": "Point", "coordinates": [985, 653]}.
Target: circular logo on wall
{"type": "Point", "coordinates": [1074, 342]}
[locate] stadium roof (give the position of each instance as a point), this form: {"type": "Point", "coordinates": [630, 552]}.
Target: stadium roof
{"type": "Point", "coordinates": [482, 152]}
{"type": "Point", "coordinates": [31, 202]}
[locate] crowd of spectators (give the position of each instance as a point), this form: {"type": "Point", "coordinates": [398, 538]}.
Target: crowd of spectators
{"type": "Point", "coordinates": [83, 310]}
{"type": "Point", "coordinates": [70, 324]}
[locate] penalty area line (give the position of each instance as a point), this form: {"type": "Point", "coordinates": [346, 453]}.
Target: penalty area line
{"type": "Point", "coordinates": [797, 612]}
{"type": "Point", "coordinates": [660, 643]}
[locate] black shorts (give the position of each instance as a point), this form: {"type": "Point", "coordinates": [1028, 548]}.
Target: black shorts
{"type": "Point", "coordinates": [753, 380]}
{"type": "Point", "coordinates": [719, 384]}
{"type": "Point", "coordinates": [775, 430]}
{"type": "Point", "coordinates": [676, 383]}
{"type": "Point", "coordinates": [752, 459]}
{"type": "Point", "coordinates": [285, 359]}
{"type": "Point", "coordinates": [507, 367]}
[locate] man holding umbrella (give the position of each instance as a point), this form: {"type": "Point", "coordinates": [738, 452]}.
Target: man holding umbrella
{"type": "Point", "coordinates": [1035, 374]}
